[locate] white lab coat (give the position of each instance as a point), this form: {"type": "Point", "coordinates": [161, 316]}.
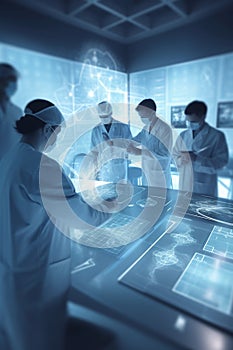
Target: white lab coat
{"type": "Point", "coordinates": [34, 255]}
{"type": "Point", "coordinates": [8, 135]}
{"type": "Point", "coordinates": [111, 159]}
{"type": "Point", "coordinates": [158, 141]}
{"type": "Point", "coordinates": [211, 150]}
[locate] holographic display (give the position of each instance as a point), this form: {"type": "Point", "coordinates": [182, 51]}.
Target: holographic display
{"type": "Point", "coordinates": [220, 242]}
{"type": "Point", "coordinates": [75, 87]}
{"type": "Point", "coordinates": [113, 232]}
{"type": "Point", "coordinates": [220, 211]}
{"type": "Point", "coordinates": [190, 267]}
{"type": "Point", "coordinates": [225, 115]}
{"type": "Point", "coordinates": [178, 119]}
{"type": "Point", "coordinates": [208, 281]}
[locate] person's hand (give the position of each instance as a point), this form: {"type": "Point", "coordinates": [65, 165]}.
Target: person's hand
{"type": "Point", "coordinates": [184, 157]}
{"type": "Point", "coordinates": [134, 150]}
{"type": "Point", "coordinates": [187, 157]}
{"type": "Point", "coordinates": [192, 156]}
{"type": "Point", "coordinates": [109, 143]}
{"type": "Point", "coordinates": [110, 205]}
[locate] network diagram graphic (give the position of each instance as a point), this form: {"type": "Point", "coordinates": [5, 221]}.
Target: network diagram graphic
{"type": "Point", "coordinates": [96, 78]}
{"type": "Point", "coordinates": [162, 258]}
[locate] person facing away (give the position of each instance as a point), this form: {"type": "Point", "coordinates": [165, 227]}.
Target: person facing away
{"type": "Point", "coordinates": [153, 144]}
{"type": "Point", "coordinates": [34, 250]}
{"type": "Point", "coordinates": [9, 112]}
{"type": "Point", "coordinates": [108, 145]}
{"type": "Point", "coordinates": [202, 150]}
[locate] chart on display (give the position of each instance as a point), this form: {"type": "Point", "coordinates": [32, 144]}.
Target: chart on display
{"type": "Point", "coordinates": [203, 281]}
{"type": "Point", "coordinates": [217, 210]}
{"type": "Point", "coordinates": [189, 267]}
{"type": "Point", "coordinates": [220, 242]}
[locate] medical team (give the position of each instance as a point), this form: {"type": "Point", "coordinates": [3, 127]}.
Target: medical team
{"type": "Point", "coordinates": [35, 221]}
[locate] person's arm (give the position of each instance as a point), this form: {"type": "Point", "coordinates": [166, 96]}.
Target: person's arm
{"type": "Point", "coordinates": [180, 153]}
{"type": "Point", "coordinates": [159, 147]}
{"type": "Point", "coordinates": [134, 146]}
{"type": "Point", "coordinates": [61, 201]}
{"type": "Point", "coordinates": [128, 133]}
{"type": "Point", "coordinates": [163, 152]}
{"type": "Point", "coordinates": [138, 137]}
{"type": "Point", "coordinates": [92, 157]}
{"type": "Point", "coordinates": [215, 160]}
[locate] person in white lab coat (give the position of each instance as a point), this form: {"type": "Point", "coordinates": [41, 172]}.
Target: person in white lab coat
{"type": "Point", "coordinates": [199, 152]}
{"type": "Point", "coordinates": [9, 112]}
{"type": "Point", "coordinates": [153, 144]}
{"type": "Point", "coordinates": [34, 253]}
{"type": "Point", "coordinates": [109, 140]}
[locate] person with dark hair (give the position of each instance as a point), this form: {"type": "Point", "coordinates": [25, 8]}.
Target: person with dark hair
{"type": "Point", "coordinates": [9, 112]}
{"type": "Point", "coordinates": [153, 144]}
{"type": "Point", "coordinates": [199, 152]}
{"type": "Point", "coordinates": [108, 142]}
{"type": "Point", "coordinates": [39, 209]}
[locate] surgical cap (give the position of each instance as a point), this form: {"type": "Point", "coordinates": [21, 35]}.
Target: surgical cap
{"type": "Point", "coordinates": [104, 108]}
{"type": "Point", "coordinates": [50, 115]}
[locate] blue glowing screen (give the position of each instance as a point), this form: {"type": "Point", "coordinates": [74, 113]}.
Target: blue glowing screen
{"type": "Point", "coordinates": [74, 87]}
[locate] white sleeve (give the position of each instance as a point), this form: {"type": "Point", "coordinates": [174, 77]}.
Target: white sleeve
{"type": "Point", "coordinates": [62, 202]}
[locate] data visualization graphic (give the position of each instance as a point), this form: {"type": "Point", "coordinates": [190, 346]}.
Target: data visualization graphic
{"type": "Point", "coordinates": [208, 281]}
{"type": "Point", "coordinates": [119, 230]}
{"type": "Point", "coordinates": [75, 87]}
{"type": "Point", "coordinates": [212, 209]}
{"type": "Point", "coordinates": [220, 242]}
{"type": "Point", "coordinates": [190, 267]}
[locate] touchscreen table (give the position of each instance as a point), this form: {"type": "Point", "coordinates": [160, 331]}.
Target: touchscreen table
{"type": "Point", "coordinates": [190, 267]}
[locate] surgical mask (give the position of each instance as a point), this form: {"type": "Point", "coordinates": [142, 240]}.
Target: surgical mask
{"type": "Point", "coordinates": [11, 88]}
{"type": "Point", "coordinates": [146, 121]}
{"type": "Point", "coordinates": [49, 148]}
{"type": "Point", "coordinates": [55, 129]}
{"type": "Point", "coordinates": [193, 125]}
{"type": "Point", "coordinates": [106, 120]}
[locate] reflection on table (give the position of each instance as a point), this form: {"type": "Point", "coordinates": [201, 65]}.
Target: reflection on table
{"type": "Point", "coordinates": [180, 269]}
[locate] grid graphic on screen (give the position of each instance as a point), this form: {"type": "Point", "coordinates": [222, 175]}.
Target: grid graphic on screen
{"type": "Point", "coordinates": [112, 233]}
{"type": "Point", "coordinates": [207, 281]}
{"type": "Point", "coordinates": [220, 242]}
{"type": "Point", "coordinates": [74, 87]}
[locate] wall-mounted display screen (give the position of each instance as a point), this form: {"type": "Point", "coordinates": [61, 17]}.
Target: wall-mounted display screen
{"type": "Point", "coordinates": [225, 115]}
{"type": "Point", "coordinates": [190, 267]}
{"type": "Point", "coordinates": [208, 79]}
{"type": "Point", "coordinates": [178, 117]}
{"type": "Point", "coordinates": [75, 87]}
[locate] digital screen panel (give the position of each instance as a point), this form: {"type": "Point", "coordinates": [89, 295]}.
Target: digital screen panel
{"type": "Point", "coordinates": [209, 80]}
{"type": "Point", "coordinates": [225, 115]}
{"type": "Point", "coordinates": [178, 119]}
{"type": "Point", "coordinates": [122, 227]}
{"type": "Point", "coordinates": [113, 233]}
{"type": "Point", "coordinates": [216, 210]}
{"type": "Point", "coordinates": [178, 268]}
{"type": "Point", "coordinates": [204, 280]}
{"type": "Point", "coordinates": [75, 87]}
{"type": "Point", "coordinates": [220, 242]}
